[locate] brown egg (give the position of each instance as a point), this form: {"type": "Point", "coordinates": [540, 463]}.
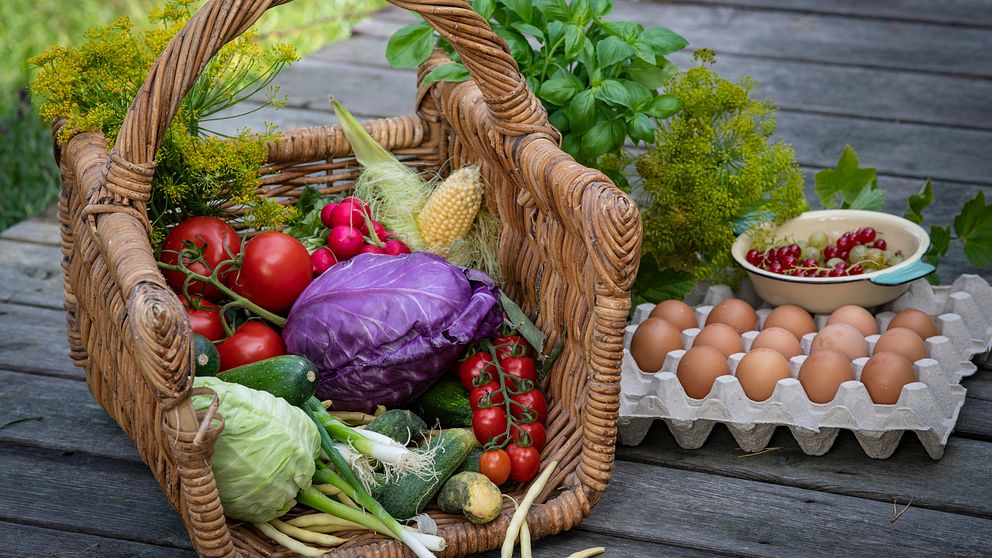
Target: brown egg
{"type": "Point", "coordinates": [856, 316]}
{"type": "Point", "coordinates": [793, 318]}
{"type": "Point", "coordinates": [841, 337]}
{"type": "Point", "coordinates": [916, 320]}
{"type": "Point", "coordinates": [823, 372]}
{"type": "Point", "coordinates": [722, 337]}
{"type": "Point", "coordinates": [699, 368]}
{"type": "Point", "coordinates": [759, 371]}
{"type": "Point", "coordinates": [778, 339]}
{"type": "Point", "coordinates": [677, 313]}
{"type": "Point", "coordinates": [885, 374]}
{"type": "Point", "coordinates": [652, 340]}
{"type": "Point", "coordinates": [736, 313]}
{"type": "Point", "coordinates": [903, 341]}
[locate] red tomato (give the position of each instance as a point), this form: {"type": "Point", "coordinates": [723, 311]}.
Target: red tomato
{"type": "Point", "coordinates": [489, 424]}
{"type": "Point", "coordinates": [218, 241]}
{"type": "Point", "coordinates": [274, 271]}
{"type": "Point", "coordinates": [476, 369]}
{"type": "Point", "coordinates": [533, 400]}
{"type": "Point", "coordinates": [487, 395]}
{"type": "Point", "coordinates": [518, 367]}
{"type": "Point", "coordinates": [524, 462]}
{"type": "Point", "coordinates": [534, 430]}
{"type": "Point", "coordinates": [205, 320]}
{"type": "Point", "coordinates": [511, 345]}
{"type": "Point", "coordinates": [495, 464]}
{"type": "Point", "coordinates": [252, 342]}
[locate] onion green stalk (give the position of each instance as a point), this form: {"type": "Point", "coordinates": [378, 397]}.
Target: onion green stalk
{"type": "Point", "coordinates": [360, 494]}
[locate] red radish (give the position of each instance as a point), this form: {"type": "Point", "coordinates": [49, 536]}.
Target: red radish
{"type": "Point", "coordinates": [349, 214]}
{"type": "Point", "coordinates": [370, 249]}
{"type": "Point", "coordinates": [396, 247]}
{"type": "Point", "coordinates": [362, 206]}
{"type": "Point", "coordinates": [321, 260]}
{"type": "Point", "coordinates": [345, 242]}
{"type": "Point", "coordinates": [325, 215]}
{"type": "Point", "coordinates": [380, 231]}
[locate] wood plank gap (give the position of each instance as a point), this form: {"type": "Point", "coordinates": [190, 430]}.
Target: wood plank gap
{"type": "Point", "coordinates": [44, 372]}
{"type": "Point", "coordinates": [92, 532]}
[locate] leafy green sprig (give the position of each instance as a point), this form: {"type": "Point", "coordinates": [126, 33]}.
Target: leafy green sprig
{"type": "Point", "coordinates": [598, 79]}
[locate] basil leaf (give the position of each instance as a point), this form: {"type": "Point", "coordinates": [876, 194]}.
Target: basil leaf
{"type": "Point", "coordinates": [644, 52]}
{"type": "Point", "coordinates": [560, 90]}
{"type": "Point", "coordinates": [663, 41]}
{"type": "Point", "coordinates": [528, 29]}
{"type": "Point", "coordinates": [611, 50]}
{"type": "Point", "coordinates": [601, 7]}
{"type": "Point", "coordinates": [574, 40]}
{"type": "Point", "coordinates": [581, 11]}
{"type": "Point", "coordinates": [626, 30]}
{"type": "Point", "coordinates": [597, 141]}
{"type": "Point", "coordinates": [612, 91]}
{"type": "Point", "coordinates": [649, 75]}
{"type": "Point", "coordinates": [569, 144]}
{"type": "Point", "coordinates": [663, 106]}
{"type": "Point", "coordinates": [559, 120]}
{"type": "Point", "coordinates": [523, 9]}
{"type": "Point", "coordinates": [640, 96]}
{"type": "Point", "coordinates": [552, 9]}
{"type": "Point", "coordinates": [447, 72]}
{"type": "Point", "coordinates": [520, 49]}
{"type": "Point", "coordinates": [485, 8]}
{"type": "Point", "coordinates": [618, 134]}
{"type": "Point", "coordinates": [641, 128]}
{"type": "Point", "coordinates": [581, 111]}
{"type": "Point", "coordinates": [410, 45]}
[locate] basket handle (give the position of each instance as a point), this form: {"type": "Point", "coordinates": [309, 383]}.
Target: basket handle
{"type": "Point", "coordinates": [513, 107]}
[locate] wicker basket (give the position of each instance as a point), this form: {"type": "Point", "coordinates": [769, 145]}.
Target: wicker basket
{"type": "Point", "coordinates": [570, 243]}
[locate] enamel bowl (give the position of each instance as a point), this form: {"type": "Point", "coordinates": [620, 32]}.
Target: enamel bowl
{"type": "Point", "coordinates": [823, 295]}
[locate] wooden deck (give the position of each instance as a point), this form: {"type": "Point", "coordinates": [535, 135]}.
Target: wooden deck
{"type": "Point", "coordinates": [908, 83]}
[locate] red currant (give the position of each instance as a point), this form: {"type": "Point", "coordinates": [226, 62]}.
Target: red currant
{"type": "Point", "coordinates": [775, 267]}
{"type": "Point", "coordinates": [753, 257]}
{"type": "Point", "coordinates": [866, 235]}
{"type": "Point", "coordinates": [841, 266]}
{"type": "Point", "coordinates": [836, 272]}
{"type": "Point", "coordinates": [795, 251]}
{"type": "Point", "coordinates": [879, 243]}
{"type": "Point", "coordinates": [788, 262]}
{"type": "Point", "coordinates": [822, 273]}
{"type": "Point", "coordinates": [844, 254]}
{"type": "Point", "coordinates": [830, 252]}
{"type": "Point", "coordinates": [809, 262]}
{"type": "Point", "coordinates": [770, 255]}
{"type": "Point", "coordinates": [809, 273]}
{"type": "Point", "coordinates": [854, 270]}
{"type": "Point", "coordinates": [844, 242]}
{"type": "Point", "coordinates": [794, 272]}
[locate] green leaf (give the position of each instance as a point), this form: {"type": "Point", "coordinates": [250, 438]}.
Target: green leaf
{"type": "Point", "coordinates": [846, 179]}
{"type": "Point", "coordinates": [447, 72]}
{"type": "Point", "coordinates": [485, 8]}
{"type": "Point", "coordinates": [560, 90]}
{"type": "Point", "coordinates": [612, 91]}
{"type": "Point", "coordinates": [559, 120]}
{"type": "Point", "coordinates": [521, 323]}
{"type": "Point", "coordinates": [974, 226]}
{"type": "Point", "coordinates": [581, 11]}
{"type": "Point", "coordinates": [308, 200]}
{"type": "Point", "coordinates": [641, 128]}
{"type": "Point", "coordinates": [618, 178]}
{"type": "Point", "coordinates": [611, 50]}
{"type": "Point", "coordinates": [570, 143]}
{"type": "Point", "coordinates": [663, 106]}
{"type": "Point", "coordinates": [523, 9]}
{"type": "Point", "coordinates": [640, 96]}
{"type": "Point", "coordinates": [870, 199]}
{"type": "Point", "coordinates": [940, 241]}
{"type": "Point", "coordinates": [629, 31]}
{"type": "Point", "coordinates": [410, 45]}
{"type": "Point", "coordinates": [655, 284]}
{"type": "Point", "coordinates": [649, 75]}
{"type": "Point", "coordinates": [555, 33]}
{"type": "Point", "coordinates": [520, 49]}
{"type": "Point", "coordinates": [528, 29]}
{"type": "Point", "coordinates": [618, 134]}
{"type": "Point", "coordinates": [644, 51]}
{"type": "Point", "coordinates": [597, 141]}
{"type": "Point", "coordinates": [574, 40]}
{"type": "Point", "coordinates": [601, 7]}
{"type": "Point", "coordinates": [663, 40]}
{"type": "Point", "coordinates": [918, 202]}
{"type": "Point", "coordinates": [553, 10]}
{"type": "Point", "coordinates": [581, 111]}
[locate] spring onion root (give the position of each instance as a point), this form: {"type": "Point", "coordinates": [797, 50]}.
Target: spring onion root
{"type": "Point", "coordinates": [289, 542]}
{"type": "Point", "coordinates": [587, 553]}
{"type": "Point", "coordinates": [307, 536]}
{"type": "Point", "coordinates": [513, 530]}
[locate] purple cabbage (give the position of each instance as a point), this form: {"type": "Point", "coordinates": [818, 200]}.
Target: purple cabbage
{"type": "Point", "coordinates": [382, 329]}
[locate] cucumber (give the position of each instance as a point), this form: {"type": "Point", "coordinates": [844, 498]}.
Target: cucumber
{"type": "Point", "coordinates": [473, 495]}
{"type": "Point", "coordinates": [291, 377]}
{"type": "Point", "coordinates": [406, 495]}
{"type": "Point", "coordinates": [400, 425]}
{"type": "Point", "coordinates": [471, 462]}
{"type": "Point", "coordinates": [206, 357]}
{"type": "Point", "coordinates": [446, 402]}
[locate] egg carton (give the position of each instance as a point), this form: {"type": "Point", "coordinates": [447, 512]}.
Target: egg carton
{"type": "Point", "coordinates": [929, 407]}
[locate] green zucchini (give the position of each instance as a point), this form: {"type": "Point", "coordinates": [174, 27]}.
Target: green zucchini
{"type": "Point", "coordinates": [471, 462]}
{"type": "Point", "coordinates": [291, 377]}
{"type": "Point", "coordinates": [406, 495]}
{"type": "Point", "coordinates": [206, 357]}
{"type": "Point", "coordinates": [473, 495]}
{"type": "Point", "coordinates": [400, 425]}
{"type": "Point", "coordinates": [445, 402]}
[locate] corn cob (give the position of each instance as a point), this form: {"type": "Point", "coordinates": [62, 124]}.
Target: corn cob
{"type": "Point", "coordinates": [451, 209]}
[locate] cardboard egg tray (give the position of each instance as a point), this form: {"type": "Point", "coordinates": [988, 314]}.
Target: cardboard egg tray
{"type": "Point", "coordinates": [928, 407]}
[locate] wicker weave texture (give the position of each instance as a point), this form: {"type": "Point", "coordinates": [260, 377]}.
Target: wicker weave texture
{"type": "Point", "coordinates": [569, 247]}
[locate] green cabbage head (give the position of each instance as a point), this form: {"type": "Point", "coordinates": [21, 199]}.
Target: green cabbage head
{"type": "Point", "coordinates": [264, 456]}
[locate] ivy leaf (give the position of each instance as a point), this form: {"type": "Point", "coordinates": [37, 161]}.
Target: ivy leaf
{"type": "Point", "coordinates": [410, 45]}
{"type": "Point", "coordinates": [846, 179]}
{"type": "Point", "coordinates": [940, 240]}
{"type": "Point", "coordinates": [656, 284]}
{"type": "Point", "coordinates": [974, 226]}
{"type": "Point", "coordinates": [641, 128]}
{"type": "Point", "coordinates": [452, 71]}
{"type": "Point", "coordinates": [523, 9]}
{"type": "Point", "coordinates": [485, 8]}
{"type": "Point", "coordinates": [663, 40]}
{"type": "Point", "coordinates": [612, 91]}
{"type": "Point", "coordinates": [581, 111]}
{"type": "Point", "coordinates": [870, 199]}
{"type": "Point", "coordinates": [918, 202]}
{"type": "Point", "coordinates": [560, 90]}
{"type": "Point", "coordinates": [611, 50]}
{"type": "Point", "coordinates": [663, 106]}
{"type": "Point", "coordinates": [597, 141]}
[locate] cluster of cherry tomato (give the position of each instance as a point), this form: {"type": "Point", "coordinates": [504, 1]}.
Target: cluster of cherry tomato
{"type": "Point", "coordinates": [508, 409]}
{"type": "Point", "coordinates": [352, 231]}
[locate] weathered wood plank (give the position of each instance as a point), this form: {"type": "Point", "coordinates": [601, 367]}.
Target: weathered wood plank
{"type": "Point", "coordinates": [37, 229]}
{"type": "Point", "coordinates": [975, 419]}
{"type": "Point", "coordinates": [563, 544]}
{"type": "Point", "coordinates": [721, 514]}
{"type": "Point", "coordinates": [76, 492]}
{"type": "Point", "coordinates": [27, 541]}
{"type": "Point", "coordinates": [34, 339]}
{"type": "Point", "coordinates": [71, 420]}
{"type": "Point", "coordinates": [967, 13]}
{"type": "Point", "coordinates": [845, 469]}
{"type": "Point", "coordinates": [31, 273]}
